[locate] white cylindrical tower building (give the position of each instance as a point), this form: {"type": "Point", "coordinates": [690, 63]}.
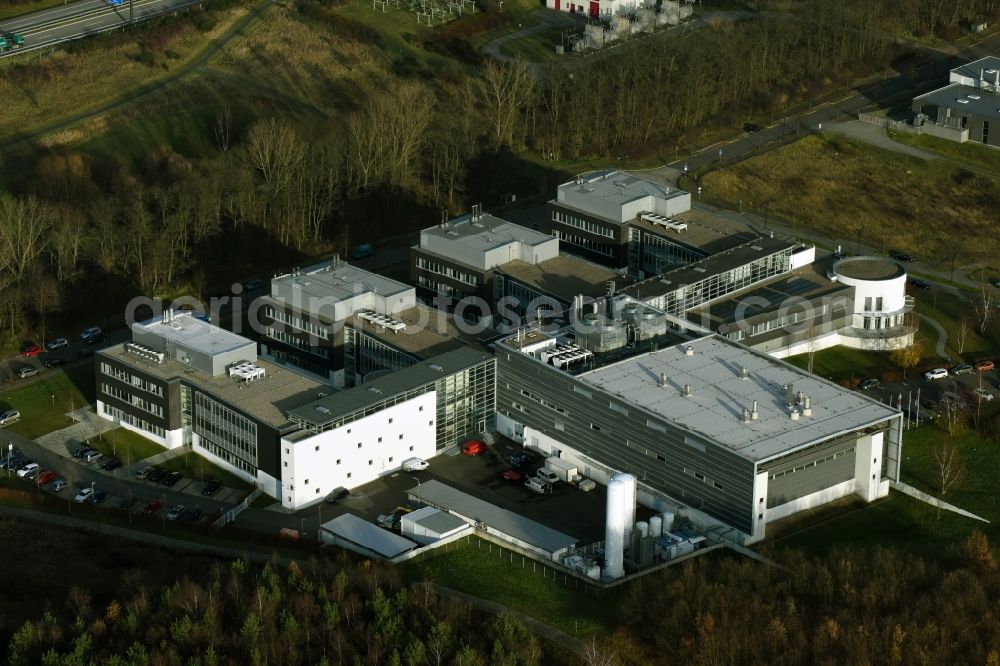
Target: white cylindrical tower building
{"type": "Point", "coordinates": [614, 530]}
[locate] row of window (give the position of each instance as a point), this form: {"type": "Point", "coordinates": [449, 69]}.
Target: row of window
{"type": "Point", "coordinates": [447, 271]}
{"type": "Point", "coordinates": [297, 342]}
{"type": "Point", "coordinates": [582, 224]}
{"type": "Point", "coordinates": [227, 429]}
{"type": "Point", "coordinates": [295, 321]}
{"type": "Point", "coordinates": [586, 243]}
{"type": "Point", "coordinates": [814, 463]}
{"type": "Point", "coordinates": [134, 400]}
{"type": "Point", "coordinates": [435, 286]}
{"type": "Point", "coordinates": [787, 320]}
{"type": "Point", "coordinates": [135, 421]}
{"type": "Point", "coordinates": [126, 377]}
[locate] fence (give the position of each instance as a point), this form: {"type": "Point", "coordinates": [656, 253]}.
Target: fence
{"type": "Point", "coordinates": [888, 123]}
{"type": "Point", "coordinates": [230, 515]}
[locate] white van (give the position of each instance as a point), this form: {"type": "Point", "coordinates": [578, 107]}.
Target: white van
{"type": "Point", "coordinates": [540, 486]}
{"type": "Point", "coordinates": [10, 416]}
{"type": "Point", "coordinates": [415, 465]}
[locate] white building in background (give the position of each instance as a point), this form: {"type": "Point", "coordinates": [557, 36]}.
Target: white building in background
{"type": "Point", "coordinates": [881, 307]}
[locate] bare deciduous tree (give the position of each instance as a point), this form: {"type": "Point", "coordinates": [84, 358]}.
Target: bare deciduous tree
{"type": "Point", "coordinates": [505, 91]}
{"type": "Point", "coordinates": [962, 333]}
{"type": "Point", "coordinates": [949, 467]}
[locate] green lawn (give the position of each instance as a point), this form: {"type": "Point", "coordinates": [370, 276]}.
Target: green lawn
{"type": "Point", "coordinates": [473, 569]}
{"type": "Point", "coordinates": [948, 311]}
{"type": "Point", "coordinates": [8, 11]}
{"type": "Point", "coordinates": [193, 466]}
{"type": "Point", "coordinates": [843, 363]}
{"type": "Point", "coordinates": [973, 154]}
{"type": "Point", "coordinates": [125, 445]}
{"type": "Point", "coordinates": [43, 403]}
{"type": "Point", "coordinates": [539, 47]}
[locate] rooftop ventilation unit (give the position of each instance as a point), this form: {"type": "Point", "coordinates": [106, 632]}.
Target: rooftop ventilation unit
{"type": "Point", "coordinates": [246, 371]}
{"type": "Point", "coordinates": [322, 409]}
{"type": "Point", "coordinates": [435, 366]}
{"type": "Point", "coordinates": [689, 351]}
{"type": "Point", "coordinates": [686, 391]}
{"type": "Point", "coordinates": [794, 415]}
{"type": "Point", "coordinates": [142, 351]}
{"type": "Point", "coordinates": [382, 320]}
{"type": "Point", "coordinates": [744, 373]}
{"type": "Point", "coordinates": [662, 221]}
{"type": "Point", "coordinates": [745, 416]}
{"type": "Point", "coordinates": [662, 381]}
{"type": "Point", "coordinates": [789, 395]}
{"type": "Point", "coordinates": [807, 406]}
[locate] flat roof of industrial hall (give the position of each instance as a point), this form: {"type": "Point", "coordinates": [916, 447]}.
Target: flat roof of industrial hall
{"type": "Point", "coordinates": [368, 535]}
{"type": "Point", "coordinates": [338, 280]}
{"type": "Point", "coordinates": [486, 232]}
{"type": "Point", "coordinates": [712, 413]}
{"type": "Point", "coordinates": [182, 328]}
{"type": "Point", "coordinates": [620, 187]}
{"type": "Point", "coordinates": [267, 399]}
{"type": "Point", "coordinates": [974, 101]}
{"type": "Point", "coordinates": [429, 331]}
{"type": "Point", "coordinates": [495, 518]}
{"type": "Point", "coordinates": [564, 276]}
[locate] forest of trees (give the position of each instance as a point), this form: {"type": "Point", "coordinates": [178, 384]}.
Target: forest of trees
{"type": "Point", "coordinates": [878, 606]}
{"type": "Point", "coordinates": [413, 146]}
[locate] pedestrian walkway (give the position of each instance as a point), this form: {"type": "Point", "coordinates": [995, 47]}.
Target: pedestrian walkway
{"type": "Point", "coordinates": [88, 425]}
{"type": "Point", "coordinates": [875, 135]}
{"type": "Point", "coordinates": [907, 489]}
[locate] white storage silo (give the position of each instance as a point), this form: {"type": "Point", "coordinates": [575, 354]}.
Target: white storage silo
{"type": "Point", "coordinates": [642, 527]}
{"type": "Point", "coordinates": [668, 521]}
{"type": "Point", "coordinates": [655, 526]}
{"type": "Point", "coordinates": [615, 529]}
{"type": "Point", "coordinates": [629, 500]}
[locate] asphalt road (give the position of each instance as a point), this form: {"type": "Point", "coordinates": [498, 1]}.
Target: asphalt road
{"type": "Point", "coordinates": [905, 85]}
{"type": "Point", "coordinates": [81, 19]}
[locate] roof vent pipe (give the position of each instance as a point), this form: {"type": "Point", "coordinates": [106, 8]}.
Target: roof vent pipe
{"type": "Point", "coordinates": [689, 351]}
{"type": "Point", "coordinates": [662, 381]}
{"type": "Point", "coordinates": [745, 416]}
{"type": "Point", "coordinates": [807, 406]}
{"type": "Point", "coordinates": [794, 415]}
{"type": "Point", "coordinates": [799, 397]}
{"type": "Point", "coordinates": [754, 414]}
{"type": "Point", "coordinates": [687, 391]}
{"type": "Point", "coordinates": [789, 395]}
{"type": "Point", "coordinates": [744, 373]}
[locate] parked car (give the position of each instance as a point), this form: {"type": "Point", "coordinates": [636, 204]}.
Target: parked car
{"type": "Point", "coordinates": [91, 455]}
{"type": "Point", "coordinates": [57, 485]}
{"type": "Point", "coordinates": [211, 488]}
{"type": "Point", "coordinates": [33, 473]}
{"type": "Point", "coordinates": [982, 394]}
{"type": "Point", "coordinates": [513, 476]}
{"type": "Point", "coordinates": [48, 476]}
{"type": "Point", "coordinates": [111, 464]}
{"type": "Point", "coordinates": [50, 361]}
{"type": "Point", "coordinates": [870, 385]}
{"type": "Point", "coordinates": [30, 349]}
{"type": "Point", "coordinates": [962, 369]}
{"type": "Point", "coordinates": [174, 511]}
{"type": "Point", "coordinates": [91, 332]}
{"type": "Point", "coordinates": [539, 486]}
{"type": "Point", "coordinates": [26, 371]}
{"type": "Point", "coordinates": [363, 251]}
{"type": "Point", "coordinates": [548, 476]}
{"type": "Point", "coordinates": [189, 515]}
{"type": "Point", "coordinates": [58, 343]}
{"type": "Point", "coordinates": [918, 283]}
{"type": "Point", "coordinates": [474, 447]}
{"type": "Point", "coordinates": [10, 416]}
{"type": "Point", "coordinates": [902, 256]}
{"type": "Point", "coordinates": [415, 465]}
{"type": "Point", "coordinates": [171, 479]}
{"type": "Point", "coordinates": [751, 128]}
{"type": "Point", "coordinates": [153, 508]}
{"type": "Point", "coordinates": [156, 474]}
{"type": "Point", "coordinates": [93, 495]}
{"type": "Point", "coordinates": [936, 373]}
{"type": "Point", "coordinates": [26, 469]}
{"type": "Point", "coordinates": [94, 339]}
{"type": "Point", "coordinates": [144, 472]}
{"type": "Point", "coordinates": [79, 450]}
{"type": "Point", "coordinates": [984, 366]}
{"type": "Point", "coordinates": [337, 494]}
{"type": "Point", "coordinates": [253, 285]}
{"type": "Point", "coordinates": [522, 458]}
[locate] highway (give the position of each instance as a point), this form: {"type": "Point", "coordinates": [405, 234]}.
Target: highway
{"type": "Point", "coordinates": [76, 20]}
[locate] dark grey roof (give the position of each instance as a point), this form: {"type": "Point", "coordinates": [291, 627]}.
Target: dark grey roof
{"type": "Point", "coordinates": [976, 102]}
{"type": "Point", "coordinates": [436, 520]}
{"type": "Point", "coordinates": [707, 267]}
{"type": "Point", "coordinates": [368, 536]}
{"type": "Point", "coordinates": [506, 522]}
{"type": "Point", "coordinates": [337, 404]}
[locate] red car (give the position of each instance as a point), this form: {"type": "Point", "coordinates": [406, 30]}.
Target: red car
{"type": "Point", "coordinates": [48, 476]}
{"type": "Point", "coordinates": [984, 366]}
{"type": "Point", "coordinates": [31, 349]}
{"type": "Point", "coordinates": [474, 447]}
{"type": "Point", "coordinates": [153, 508]}
{"type": "Point", "coordinates": [513, 476]}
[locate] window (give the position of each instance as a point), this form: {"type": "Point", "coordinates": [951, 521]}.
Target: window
{"type": "Point", "coordinates": [878, 303]}
{"type": "Point", "coordinates": [317, 491]}
{"type": "Point", "coordinates": [430, 423]}
{"type": "Point", "coordinates": [411, 448]}
{"type": "Point", "coordinates": [286, 463]}
{"type": "Point", "coordinates": [401, 437]}
{"type": "Point", "coordinates": [594, 426]}
{"type": "Point", "coordinates": [868, 303]}
{"type": "Point", "coordinates": [338, 461]}
{"type": "Point", "coordinates": [369, 463]}
{"type": "Point", "coordinates": [359, 443]}
{"type": "Point", "coordinates": [390, 458]}
{"type": "Point", "coordinates": [306, 482]}
{"type": "Point", "coordinates": [349, 475]}
{"type": "Point", "coordinates": [421, 408]}
{"type": "Point", "coordinates": [317, 447]}
{"type": "Point", "coordinates": [390, 420]}
{"type": "Point", "coordinates": [379, 440]}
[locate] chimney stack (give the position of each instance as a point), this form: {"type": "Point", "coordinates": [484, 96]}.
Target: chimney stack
{"type": "Point", "coordinates": [754, 414]}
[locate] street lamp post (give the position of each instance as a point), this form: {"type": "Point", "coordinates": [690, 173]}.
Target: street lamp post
{"type": "Point", "coordinates": [10, 453]}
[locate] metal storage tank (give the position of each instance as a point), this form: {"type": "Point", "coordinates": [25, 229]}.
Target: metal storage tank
{"type": "Point", "coordinates": [614, 529]}
{"type": "Point", "coordinates": [649, 323]}
{"type": "Point", "coordinates": [642, 527]}
{"type": "Point", "coordinates": [668, 521]}
{"type": "Point", "coordinates": [629, 500]}
{"type": "Point", "coordinates": [655, 526]}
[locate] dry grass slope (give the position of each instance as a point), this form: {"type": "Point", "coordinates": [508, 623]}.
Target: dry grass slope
{"type": "Point", "coordinates": [833, 186]}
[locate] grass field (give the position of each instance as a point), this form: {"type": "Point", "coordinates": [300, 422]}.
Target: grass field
{"type": "Point", "coordinates": [193, 466]}
{"type": "Point", "coordinates": [474, 569]}
{"type": "Point", "coordinates": [10, 10]}
{"type": "Point", "coordinates": [836, 188]}
{"type": "Point", "coordinates": [843, 363]}
{"type": "Point", "coordinates": [970, 153]}
{"type": "Point", "coordinates": [539, 47]}
{"type": "Point", "coordinates": [125, 445]}
{"type": "Point", "coordinates": [44, 403]}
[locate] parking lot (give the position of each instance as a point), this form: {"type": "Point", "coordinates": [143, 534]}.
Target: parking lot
{"type": "Point", "coordinates": [932, 391]}
{"type": "Point", "coordinates": [569, 510]}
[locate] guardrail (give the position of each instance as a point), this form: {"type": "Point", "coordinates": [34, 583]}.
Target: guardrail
{"type": "Point", "coordinates": [123, 24]}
